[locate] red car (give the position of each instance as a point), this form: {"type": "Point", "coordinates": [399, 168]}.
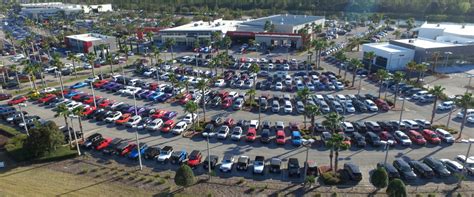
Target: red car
{"type": "Point", "coordinates": [5, 97]}
{"type": "Point", "coordinates": [46, 98]}
{"type": "Point", "coordinates": [251, 134]}
{"type": "Point", "coordinates": [416, 137]}
{"type": "Point", "coordinates": [431, 136]}
{"type": "Point", "coordinates": [106, 103]}
{"type": "Point", "coordinates": [123, 119]}
{"type": "Point", "coordinates": [385, 136]}
{"type": "Point", "coordinates": [153, 86]}
{"type": "Point", "coordinates": [186, 98]}
{"type": "Point", "coordinates": [381, 104]}
{"type": "Point", "coordinates": [280, 137]}
{"type": "Point", "coordinates": [159, 114]}
{"type": "Point", "coordinates": [78, 96]}
{"type": "Point", "coordinates": [88, 110]}
{"type": "Point", "coordinates": [103, 144]}
{"type": "Point", "coordinates": [17, 100]}
{"type": "Point", "coordinates": [229, 122]}
{"type": "Point", "coordinates": [226, 103]}
{"type": "Point", "coordinates": [100, 83]}
{"type": "Point", "coordinates": [223, 94]}
{"type": "Point", "coordinates": [167, 126]}
{"type": "Point", "coordinates": [90, 99]}
{"type": "Point", "coordinates": [195, 158]}
{"type": "Point", "coordinates": [128, 149]}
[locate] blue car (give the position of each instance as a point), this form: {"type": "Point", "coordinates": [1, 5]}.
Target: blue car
{"type": "Point", "coordinates": [296, 139]}
{"type": "Point", "coordinates": [134, 153]}
{"type": "Point", "coordinates": [178, 157]}
{"type": "Point", "coordinates": [163, 97]}
{"type": "Point", "coordinates": [108, 85]}
{"type": "Point", "coordinates": [117, 87]}
{"type": "Point", "coordinates": [147, 95]}
{"type": "Point", "coordinates": [70, 94]}
{"type": "Point", "coordinates": [79, 85]}
{"type": "Point", "coordinates": [170, 115]}
{"type": "Point", "coordinates": [155, 96]}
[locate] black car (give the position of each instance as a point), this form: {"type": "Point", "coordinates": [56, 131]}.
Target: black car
{"type": "Point", "coordinates": [386, 126]}
{"type": "Point", "coordinates": [437, 166]}
{"type": "Point", "coordinates": [312, 168]}
{"type": "Point", "coordinates": [359, 106]}
{"type": "Point", "coordinates": [120, 147]}
{"type": "Point", "coordinates": [275, 165]}
{"type": "Point", "coordinates": [213, 160]}
{"type": "Point", "coordinates": [353, 171]}
{"type": "Point", "coordinates": [373, 139]}
{"type": "Point", "coordinates": [6, 114]}
{"type": "Point", "coordinates": [11, 118]}
{"type": "Point", "coordinates": [102, 114]}
{"type": "Point", "coordinates": [358, 139]}
{"type": "Point", "coordinates": [215, 102]}
{"type": "Point", "coordinates": [422, 169]}
{"type": "Point", "coordinates": [293, 167]}
{"type": "Point", "coordinates": [265, 136]}
{"type": "Point", "coordinates": [91, 139]}
{"type": "Point", "coordinates": [390, 169]}
{"type": "Point", "coordinates": [111, 147]}
{"type": "Point", "coordinates": [406, 172]}
{"type": "Point", "coordinates": [152, 152]}
{"type": "Point", "coordinates": [318, 127]}
{"type": "Point", "coordinates": [243, 163]}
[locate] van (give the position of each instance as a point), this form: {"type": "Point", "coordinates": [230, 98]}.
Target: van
{"type": "Point", "coordinates": [411, 124]}
{"type": "Point", "coordinates": [347, 126]}
{"type": "Point", "coordinates": [470, 113]}
{"type": "Point", "coordinates": [445, 135]}
{"type": "Point", "coordinates": [275, 106]}
{"type": "Point", "coordinates": [341, 98]}
{"type": "Point", "coordinates": [233, 95]}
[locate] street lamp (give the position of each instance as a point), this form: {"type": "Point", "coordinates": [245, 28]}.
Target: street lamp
{"type": "Point", "coordinates": [93, 95]}
{"type": "Point", "coordinates": [61, 82]}
{"type": "Point", "coordinates": [208, 157]}
{"type": "Point", "coordinates": [401, 111]}
{"type": "Point", "coordinates": [469, 83]}
{"type": "Point", "coordinates": [310, 57]}
{"type": "Point", "coordinates": [136, 134]}
{"type": "Point", "coordinates": [23, 117]}
{"type": "Point", "coordinates": [75, 135]}
{"type": "Point", "coordinates": [360, 83]}
{"type": "Point", "coordinates": [470, 141]}
{"type": "Point", "coordinates": [387, 146]}
{"type": "Point", "coordinates": [447, 53]}
{"type": "Point", "coordinates": [307, 144]}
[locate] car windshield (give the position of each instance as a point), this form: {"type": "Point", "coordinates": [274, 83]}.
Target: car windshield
{"type": "Point", "coordinates": [404, 137]}
{"type": "Point", "coordinates": [419, 137]}
{"type": "Point", "coordinates": [227, 161]}
{"type": "Point", "coordinates": [163, 152]}
{"type": "Point", "coordinates": [405, 168]}
{"type": "Point", "coordinates": [281, 137]}
{"type": "Point", "coordinates": [193, 157]}
{"type": "Point", "coordinates": [434, 136]}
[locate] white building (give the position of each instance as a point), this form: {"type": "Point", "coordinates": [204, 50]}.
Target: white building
{"type": "Point", "coordinates": [45, 10]}
{"type": "Point", "coordinates": [391, 56]}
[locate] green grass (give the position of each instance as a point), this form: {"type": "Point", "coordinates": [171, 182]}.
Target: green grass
{"type": "Point", "coordinates": [60, 154]}
{"type": "Point", "coordinates": [10, 130]}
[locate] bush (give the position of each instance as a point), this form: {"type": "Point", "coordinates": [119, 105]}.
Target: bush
{"type": "Point", "coordinates": [310, 179]}
{"type": "Point", "coordinates": [379, 178]}
{"type": "Point", "coordinates": [396, 188]}
{"type": "Point", "coordinates": [330, 178]}
{"type": "Point", "coordinates": [184, 176]}
{"type": "Point", "coordinates": [450, 130]}
{"type": "Point", "coordinates": [9, 130]}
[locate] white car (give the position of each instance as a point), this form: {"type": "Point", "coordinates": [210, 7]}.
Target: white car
{"type": "Point", "coordinates": [165, 154]}
{"type": "Point", "coordinates": [236, 133]}
{"type": "Point", "coordinates": [286, 67]}
{"type": "Point", "coordinates": [300, 107]}
{"type": "Point", "coordinates": [419, 95]}
{"type": "Point", "coordinates": [470, 113]}
{"type": "Point", "coordinates": [179, 128]}
{"type": "Point", "coordinates": [133, 121]}
{"type": "Point", "coordinates": [310, 86]}
{"type": "Point", "coordinates": [155, 125]}
{"type": "Point", "coordinates": [470, 120]}
{"type": "Point", "coordinates": [349, 107]}
{"type": "Point", "coordinates": [113, 117]}
{"type": "Point", "coordinates": [259, 165]}
{"type": "Point", "coordinates": [115, 105]}
{"type": "Point", "coordinates": [469, 163]}
{"type": "Point", "coordinates": [300, 85]}
{"type": "Point", "coordinates": [288, 107]}
{"type": "Point", "coordinates": [402, 138]}
{"type": "Point", "coordinates": [453, 166]}
{"type": "Point", "coordinates": [165, 77]}
{"type": "Point", "coordinates": [48, 90]}
{"type": "Point", "coordinates": [288, 80]}
{"type": "Point", "coordinates": [227, 163]}
{"type": "Point", "coordinates": [149, 72]}
{"type": "Point", "coordinates": [219, 83]}
{"type": "Point", "coordinates": [223, 132]}
{"type": "Point", "coordinates": [278, 86]}
{"type": "Point", "coordinates": [446, 105]}
{"type": "Point", "coordinates": [371, 105]}
{"type": "Point", "coordinates": [189, 118]}
{"type": "Point", "coordinates": [445, 135]}
{"type": "Point", "coordinates": [91, 79]}
{"type": "Point", "coordinates": [254, 124]}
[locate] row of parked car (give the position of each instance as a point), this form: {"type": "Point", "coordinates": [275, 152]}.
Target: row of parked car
{"type": "Point", "coordinates": [282, 81]}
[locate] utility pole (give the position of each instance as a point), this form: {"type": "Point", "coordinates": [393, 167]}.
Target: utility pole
{"type": "Point", "coordinates": [23, 118]}
{"type": "Point", "coordinates": [75, 135]}
{"type": "Point", "coordinates": [136, 134]}
{"type": "Point", "coordinates": [208, 158]}
{"type": "Point", "coordinates": [465, 162]}
{"type": "Point", "coordinates": [401, 112]}
{"type": "Point", "coordinates": [93, 95]}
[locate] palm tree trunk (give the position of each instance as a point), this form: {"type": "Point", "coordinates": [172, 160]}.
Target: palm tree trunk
{"type": "Point", "coordinates": [31, 83]}
{"type": "Point", "coordinates": [312, 125]}
{"type": "Point", "coordinates": [18, 78]}
{"type": "Point", "coordinates": [395, 96]}
{"type": "Point", "coordinates": [69, 130]}
{"type": "Point", "coordinates": [319, 60]}
{"type": "Point", "coordinates": [43, 82]}
{"type": "Point", "coordinates": [331, 153]}
{"type": "Point", "coordinates": [380, 88]}
{"type": "Point", "coordinates": [111, 69]}
{"type": "Point", "coordinates": [93, 69]}
{"type": "Point", "coordinates": [463, 122]}
{"type": "Point", "coordinates": [433, 112]}
{"type": "Point", "coordinates": [80, 127]}
{"type": "Point", "coordinates": [34, 82]}
{"type": "Point", "coordinates": [203, 107]}
{"type": "Point", "coordinates": [354, 77]}
{"type": "Point", "coordinates": [336, 159]}
{"type": "Point", "coordinates": [74, 68]}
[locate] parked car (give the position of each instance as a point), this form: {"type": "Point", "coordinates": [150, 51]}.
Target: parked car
{"type": "Point", "coordinates": [422, 169]}
{"type": "Point", "coordinates": [152, 152]}
{"type": "Point", "coordinates": [243, 163]}
{"type": "Point", "coordinates": [212, 160]}
{"type": "Point", "coordinates": [354, 172]}
{"type": "Point", "coordinates": [227, 163]}
{"type": "Point", "coordinates": [437, 166]}
{"type": "Point", "coordinates": [416, 137]}
{"type": "Point", "coordinates": [259, 165]}
{"type": "Point", "coordinates": [293, 167]}
{"type": "Point", "coordinates": [195, 158]}
{"type": "Point", "coordinates": [165, 154]}
{"type": "Point", "coordinates": [392, 172]}
{"type": "Point", "coordinates": [406, 172]}
{"type": "Point", "coordinates": [275, 165]}
{"type": "Point", "coordinates": [178, 157]}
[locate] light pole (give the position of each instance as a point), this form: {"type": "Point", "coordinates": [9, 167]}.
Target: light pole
{"type": "Point", "coordinates": [470, 141]}
{"type": "Point", "coordinates": [449, 116]}
{"type": "Point", "coordinates": [208, 157]}
{"type": "Point", "coordinates": [447, 53]}
{"type": "Point", "coordinates": [136, 134]}
{"type": "Point", "coordinates": [360, 84]}
{"type": "Point", "coordinates": [93, 95]}
{"type": "Point", "coordinates": [387, 146]}
{"type": "Point", "coordinates": [401, 111]}
{"type": "Point", "coordinates": [310, 57]}
{"type": "Point", "coordinates": [307, 144]}
{"type": "Point", "coordinates": [469, 83]}
{"type": "Point", "coordinates": [61, 82]}
{"type": "Point", "coordinates": [75, 135]}
{"type": "Point", "coordinates": [23, 117]}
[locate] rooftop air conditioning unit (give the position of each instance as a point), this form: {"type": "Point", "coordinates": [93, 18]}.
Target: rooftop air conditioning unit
{"type": "Point", "coordinates": [411, 41]}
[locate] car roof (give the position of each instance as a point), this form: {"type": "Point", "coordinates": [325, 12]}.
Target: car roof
{"type": "Point", "coordinates": [167, 148]}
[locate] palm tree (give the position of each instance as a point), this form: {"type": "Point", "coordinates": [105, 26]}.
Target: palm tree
{"type": "Point", "coordinates": [202, 85]}
{"type": "Point", "coordinates": [411, 67]}
{"type": "Point", "coordinates": [333, 123]}
{"type": "Point", "coordinates": [172, 79]}
{"type": "Point", "coordinates": [14, 67]}
{"type": "Point", "coordinates": [319, 46]}
{"type": "Point", "coordinates": [149, 35]}
{"type": "Point", "coordinates": [125, 50]}
{"type": "Point", "coordinates": [421, 68]}
{"type": "Point", "coordinates": [437, 91]}
{"type": "Point", "coordinates": [342, 58]}
{"type": "Point", "coordinates": [382, 75]}
{"type": "Point", "coordinates": [71, 57]}
{"type": "Point", "coordinates": [9, 37]}
{"type": "Point", "coordinates": [255, 69]}
{"type": "Point", "coordinates": [465, 102]}
{"type": "Point", "coordinates": [336, 143]}
{"type": "Point", "coordinates": [91, 59]}
{"type": "Point", "coordinates": [435, 57]}
{"type": "Point", "coordinates": [169, 43]}
{"type": "Point", "coordinates": [59, 64]}
{"type": "Point", "coordinates": [397, 78]}
{"type": "Point", "coordinates": [370, 56]}
{"type": "Point", "coordinates": [62, 110]}
{"type": "Point", "coordinates": [312, 111]}
{"type": "Point", "coordinates": [31, 71]}
{"type": "Point", "coordinates": [191, 107]}
{"type": "Point", "coordinates": [397, 34]}
{"type": "Point", "coordinates": [79, 112]}
{"type": "Point", "coordinates": [109, 61]}
{"type": "Point", "coordinates": [156, 53]}
{"type": "Point", "coordinates": [356, 64]}
{"type": "Point", "coordinates": [304, 94]}
{"type": "Point", "coordinates": [252, 92]}
{"type": "Point", "coordinates": [227, 42]}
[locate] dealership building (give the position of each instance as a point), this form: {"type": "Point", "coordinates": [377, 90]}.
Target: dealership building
{"type": "Point", "coordinates": [45, 10]}
{"type": "Point", "coordinates": [451, 43]}
{"type": "Point", "coordinates": [285, 30]}
{"type": "Point", "coordinates": [87, 43]}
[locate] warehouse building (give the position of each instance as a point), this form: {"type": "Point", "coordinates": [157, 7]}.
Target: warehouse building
{"type": "Point", "coordinates": [91, 42]}
{"type": "Point", "coordinates": [443, 44]}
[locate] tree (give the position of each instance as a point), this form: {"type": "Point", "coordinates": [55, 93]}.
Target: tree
{"type": "Point", "coordinates": [332, 122]}
{"type": "Point", "coordinates": [411, 67]}
{"type": "Point", "coordinates": [62, 110]}
{"type": "Point", "coordinates": [71, 57]}
{"type": "Point", "coordinates": [410, 23]}
{"type": "Point", "coordinates": [342, 58]}
{"type": "Point", "coordinates": [379, 178]}
{"type": "Point", "coordinates": [169, 43]}
{"type": "Point", "coordinates": [304, 94]}
{"type": "Point", "coordinates": [191, 107]}
{"type": "Point", "coordinates": [91, 59]}
{"type": "Point", "coordinates": [312, 111]}
{"type": "Point", "coordinates": [336, 143]}
{"type": "Point", "coordinates": [356, 64]}
{"type": "Point", "coordinates": [43, 138]}
{"type": "Point", "coordinates": [435, 57]}
{"type": "Point", "coordinates": [382, 75]}
{"type": "Point", "coordinates": [79, 112]}
{"type": "Point", "coordinates": [184, 176]}
{"type": "Point", "coordinates": [31, 70]}
{"type": "Point", "coordinates": [59, 65]}
{"type": "Point", "coordinates": [397, 78]}
{"type": "Point", "coordinates": [420, 68]}
{"type": "Point", "coordinates": [319, 46]}
{"type": "Point", "coordinates": [202, 85]}
{"type": "Point", "coordinates": [465, 102]}
{"type": "Point", "coordinates": [267, 26]}
{"type": "Point", "coordinates": [227, 42]}
{"type": "Point", "coordinates": [396, 188]}
{"type": "Point", "coordinates": [437, 91]}
{"type": "Point", "coordinates": [14, 67]}
{"type": "Point", "coordinates": [255, 69]}
{"type": "Point", "coordinates": [397, 34]}
{"type": "Point", "coordinates": [370, 56]}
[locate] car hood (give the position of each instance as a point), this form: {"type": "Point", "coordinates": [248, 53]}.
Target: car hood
{"type": "Point", "coordinates": [163, 157]}
{"type": "Point", "coordinates": [258, 168]}
{"type": "Point", "coordinates": [226, 165]}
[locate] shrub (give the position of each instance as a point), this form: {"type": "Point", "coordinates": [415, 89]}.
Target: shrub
{"type": "Point", "coordinates": [379, 178]}
{"type": "Point", "coordinates": [396, 188]}
{"type": "Point", "coordinates": [184, 176]}
{"type": "Point", "coordinates": [450, 130]}
{"type": "Point", "coordinates": [330, 178]}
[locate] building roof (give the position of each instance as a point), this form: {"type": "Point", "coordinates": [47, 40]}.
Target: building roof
{"type": "Point", "coordinates": [451, 28]}
{"type": "Point", "coordinates": [390, 48]}
{"type": "Point", "coordinates": [284, 19]}
{"type": "Point", "coordinates": [216, 25]}
{"type": "Point", "coordinates": [88, 37]}
{"type": "Point", "coordinates": [426, 43]}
